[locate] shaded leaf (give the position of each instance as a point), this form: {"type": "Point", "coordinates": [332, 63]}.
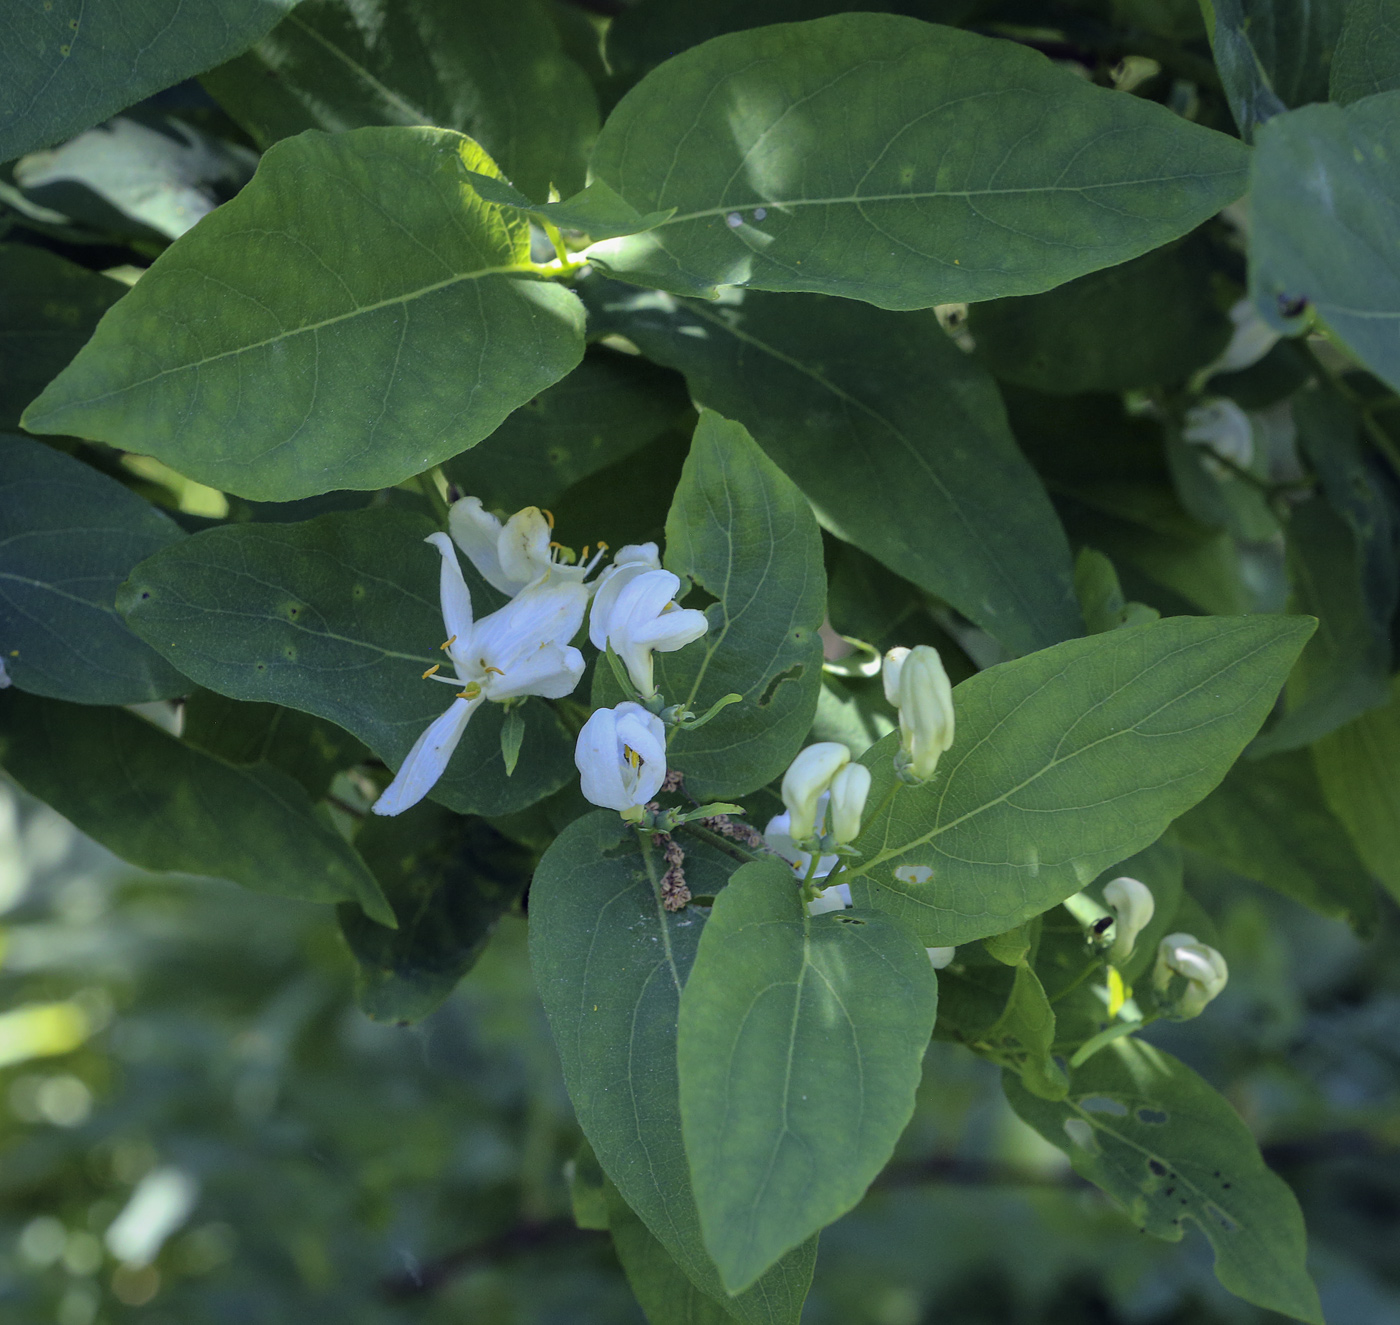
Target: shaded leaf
{"type": "Point", "coordinates": [1367, 58]}
{"type": "Point", "coordinates": [1026, 1031]}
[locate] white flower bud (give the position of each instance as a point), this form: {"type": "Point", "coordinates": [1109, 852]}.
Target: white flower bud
{"type": "Point", "coordinates": [917, 684]}
{"type": "Point", "coordinates": [1253, 338]}
{"type": "Point", "coordinates": [849, 788]}
{"type": "Point", "coordinates": [1198, 963]}
{"type": "Point", "coordinates": [621, 756]}
{"type": "Point", "coordinates": [1223, 427]}
{"type": "Point", "coordinates": [809, 775]}
{"type": "Point", "coordinates": [1132, 905]}
{"type": "Point", "coordinates": [940, 957]}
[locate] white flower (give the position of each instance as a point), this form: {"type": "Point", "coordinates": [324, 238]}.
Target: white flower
{"type": "Point", "coordinates": [523, 649]}
{"type": "Point", "coordinates": [836, 898]}
{"type": "Point", "coordinates": [778, 836]}
{"type": "Point", "coordinates": [849, 788]}
{"type": "Point", "coordinates": [514, 556]}
{"type": "Point", "coordinates": [621, 756]}
{"type": "Point", "coordinates": [917, 685]}
{"type": "Point", "coordinates": [644, 616]}
{"type": "Point", "coordinates": [1132, 905]}
{"type": "Point", "coordinates": [1253, 338]}
{"type": "Point", "coordinates": [807, 779]}
{"type": "Point", "coordinates": [940, 957]}
{"type": "Point", "coordinates": [1202, 967]}
{"type": "Point", "coordinates": [628, 562]}
{"type": "Point", "coordinates": [1223, 427]}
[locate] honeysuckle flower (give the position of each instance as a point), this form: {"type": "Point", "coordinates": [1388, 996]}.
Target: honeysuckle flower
{"type": "Point", "coordinates": [643, 617]}
{"type": "Point", "coordinates": [917, 685]}
{"type": "Point", "coordinates": [940, 957]}
{"type": "Point", "coordinates": [1132, 905]}
{"type": "Point", "coordinates": [1223, 427]}
{"type": "Point", "coordinates": [621, 757]}
{"type": "Point", "coordinates": [523, 649]}
{"type": "Point", "coordinates": [518, 554]}
{"type": "Point", "coordinates": [849, 788]}
{"type": "Point", "coordinates": [779, 839]}
{"type": "Point", "coordinates": [807, 779]}
{"type": "Point", "coordinates": [628, 562]}
{"type": "Point", "coordinates": [1198, 963]}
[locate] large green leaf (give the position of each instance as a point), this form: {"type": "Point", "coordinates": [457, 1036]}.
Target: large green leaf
{"type": "Point", "coordinates": [48, 309]}
{"type": "Point", "coordinates": [1359, 768]}
{"type": "Point", "coordinates": [896, 436]}
{"type": "Point", "coordinates": [1065, 763]}
{"type": "Point", "coordinates": [494, 69]}
{"type": "Point", "coordinates": [1367, 58]}
{"type": "Point", "coordinates": [164, 805]}
{"type": "Point", "coordinates": [1268, 821]}
{"type": "Point", "coordinates": [899, 162]}
{"type": "Point", "coordinates": [610, 406]}
{"type": "Point", "coordinates": [67, 64]}
{"type": "Point", "coordinates": [339, 617]}
{"type": "Point", "coordinates": [1169, 1149]}
{"type": "Point", "coordinates": [355, 315]}
{"type": "Point", "coordinates": [610, 964]}
{"type": "Point", "coordinates": [740, 530]}
{"type": "Point", "coordinates": [800, 1048]}
{"type": "Point", "coordinates": [449, 879]}
{"type": "Point", "coordinates": [1148, 322]}
{"type": "Point", "coordinates": [70, 536]}
{"type": "Point", "coordinates": [1324, 198]}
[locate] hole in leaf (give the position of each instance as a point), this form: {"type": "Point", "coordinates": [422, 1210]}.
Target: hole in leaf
{"type": "Point", "coordinates": [792, 674]}
{"type": "Point", "coordinates": [1102, 1104]}
{"type": "Point", "coordinates": [1152, 1116]}
{"type": "Point", "coordinates": [1157, 1167]}
{"type": "Point", "coordinates": [848, 920]}
{"type": "Point", "coordinates": [913, 873]}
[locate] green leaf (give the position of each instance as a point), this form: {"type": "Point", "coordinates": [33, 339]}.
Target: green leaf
{"type": "Point", "coordinates": [1324, 195]}
{"type": "Point", "coordinates": [48, 309]}
{"type": "Point", "coordinates": [1025, 1032]}
{"type": "Point", "coordinates": [898, 439]}
{"type": "Point", "coordinates": [1248, 87]}
{"type": "Point", "coordinates": [606, 409]}
{"type": "Point", "coordinates": [512, 735]}
{"type": "Point", "coordinates": [1147, 322]}
{"type": "Point", "coordinates": [1345, 668]}
{"type": "Point", "coordinates": [449, 879]}
{"type": "Point", "coordinates": [1367, 58]}
{"type": "Point", "coordinates": [495, 71]}
{"type": "Point", "coordinates": [67, 65]}
{"type": "Point", "coordinates": [163, 805]}
{"type": "Point", "coordinates": [1168, 1149]}
{"type": "Point", "coordinates": [1065, 763]}
{"type": "Point", "coordinates": [1290, 42]}
{"type": "Point", "coordinates": [801, 1045]}
{"type": "Point", "coordinates": [1268, 821]}
{"type": "Point", "coordinates": [610, 964]}
{"type": "Point", "coordinates": [596, 211]}
{"type": "Point", "coordinates": [969, 167]}
{"type": "Point", "coordinates": [1101, 596]}
{"type": "Point", "coordinates": [1359, 768]}
{"type": "Point", "coordinates": [311, 334]}
{"type": "Point", "coordinates": [741, 531]}
{"type": "Point", "coordinates": [311, 750]}
{"type": "Point", "coordinates": [339, 617]}
{"type": "Point", "coordinates": [70, 537]}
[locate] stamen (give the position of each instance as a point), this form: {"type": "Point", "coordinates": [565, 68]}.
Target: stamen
{"type": "Point", "coordinates": [549, 515]}
{"type": "Point", "coordinates": [487, 669]}
{"type": "Point", "coordinates": [445, 646]}
{"type": "Point", "coordinates": [470, 691]}
{"type": "Point", "coordinates": [436, 667]}
{"type": "Point", "coordinates": [632, 757]}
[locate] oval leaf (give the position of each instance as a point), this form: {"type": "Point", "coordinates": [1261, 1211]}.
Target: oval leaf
{"type": "Point", "coordinates": [1066, 762]}
{"type": "Point", "coordinates": [354, 316]}
{"type": "Point", "coordinates": [968, 167]}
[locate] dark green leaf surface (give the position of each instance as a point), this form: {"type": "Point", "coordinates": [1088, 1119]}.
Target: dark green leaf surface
{"type": "Point", "coordinates": [494, 70]}
{"type": "Point", "coordinates": [68, 537]}
{"type": "Point", "coordinates": [897, 437]}
{"type": "Point", "coordinates": [1026, 1031]}
{"type": "Point", "coordinates": [48, 309]}
{"type": "Point", "coordinates": [1359, 768]}
{"type": "Point", "coordinates": [608, 407]}
{"type": "Point", "coordinates": [1268, 821]}
{"type": "Point", "coordinates": [304, 615]}
{"type": "Point", "coordinates": [1153, 320]}
{"type": "Point", "coordinates": [740, 530]}
{"type": "Point", "coordinates": [968, 168]}
{"type": "Point", "coordinates": [1248, 85]}
{"type": "Point", "coordinates": [68, 64]}
{"type": "Point", "coordinates": [596, 211]}
{"type": "Point", "coordinates": [1324, 197]}
{"type": "Point", "coordinates": [1065, 763]}
{"type": "Point", "coordinates": [1169, 1149]}
{"type": "Point", "coordinates": [1367, 58]}
{"type": "Point", "coordinates": [355, 315]}
{"type": "Point", "coordinates": [449, 879]}
{"type": "Point", "coordinates": [801, 1044]}
{"type": "Point", "coordinates": [163, 805]}
{"type": "Point", "coordinates": [610, 964]}
{"type": "Point", "coordinates": [1293, 40]}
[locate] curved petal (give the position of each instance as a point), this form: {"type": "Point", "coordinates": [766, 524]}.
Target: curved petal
{"type": "Point", "coordinates": [478, 533]}
{"type": "Point", "coordinates": [610, 585]}
{"type": "Point", "coordinates": [645, 734]}
{"type": "Point", "coordinates": [544, 614]}
{"type": "Point", "coordinates": [428, 759]}
{"type": "Point", "coordinates": [552, 670]}
{"type": "Point", "coordinates": [523, 547]}
{"type": "Point", "coordinates": [456, 598]}
{"type": "Point", "coordinates": [598, 757]}
{"type": "Point", "coordinates": [673, 630]}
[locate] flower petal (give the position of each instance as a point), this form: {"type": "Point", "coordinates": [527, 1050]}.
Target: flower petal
{"type": "Point", "coordinates": [549, 613]}
{"type": "Point", "coordinates": [610, 585]}
{"type": "Point", "coordinates": [428, 759]}
{"type": "Point", "coordinates": [552, 670]}
{"type": "Point", "coordinates": [672, 630]}
{"type": "Point", "coordinates": [524, 546]}
{"type": "Point", "coordinates": [477, 532]}
{"type": "Point", "coordinates": [597, 755]}
{"type": "Point", "coordinates": [456, 598]}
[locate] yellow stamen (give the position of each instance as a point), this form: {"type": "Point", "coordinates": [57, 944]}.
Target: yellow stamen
{"type": "Point", "coordinates": [560, 546]}
{"type": "Point", "coordinates": [471, 691]}
{"type": "Point", "coordinates": [583, 556]}
{"type": "Point", "coordinates": [632, 757]}
{"type": "Point", "coordinates": [444, 647]}
{"type": "Point", "coordinates": [602, 546]}
{"type": "Point", "coordinates": [436, 667]}
{"type": "Point", "coordinates": [485, 668]}
{"type": "Point", "coordinates": [549, 515]}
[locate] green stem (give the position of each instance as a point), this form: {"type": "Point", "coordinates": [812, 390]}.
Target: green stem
{"type": "Point", "coordinates": [1078, 979]}
{"type": "Point", "coordinates": [428, 483]}
{"type": "Point", "coordinates": [721, 843]}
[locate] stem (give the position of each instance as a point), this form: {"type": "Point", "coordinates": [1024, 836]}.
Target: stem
{"type": "Point", "coordinates": [428, 483]}
{"type": "Point", "coordinates": [720, 843]}
{"type": "Point", "coordinates": [1078, 980]}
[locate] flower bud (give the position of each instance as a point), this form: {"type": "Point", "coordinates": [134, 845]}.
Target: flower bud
{"type": "Point", "coordinates": [1132, 905]}
{"type": "Point", "coordinates": [917, 684]}
{"type": "Point", "coordinates": [809, 775]}
{"type": "Point", "coordinates": [849, 788]}
{"type": "Point", "coordinates": [1199, 964]}
{"type": "Point", "coordinates": [621, 757]}
{"type": "Point", "coordinates": [940, 957]}
{"type": "Point", "coordinates": [1223, 427]}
